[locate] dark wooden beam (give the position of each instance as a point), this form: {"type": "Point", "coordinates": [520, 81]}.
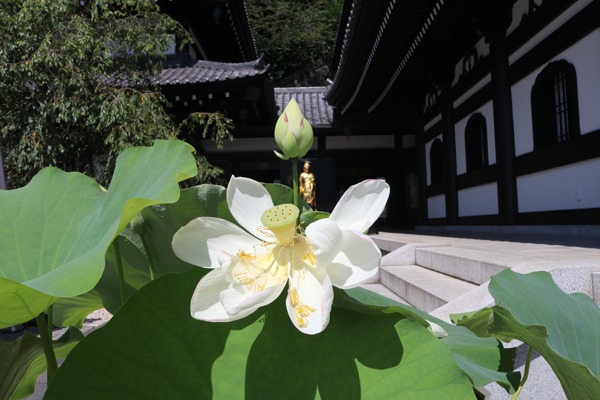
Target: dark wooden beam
{"type": "Point", "coordinates": [449, 158]}
{"type": "Point", "coordinates": [503, 131]}
{"type": "Point", "coordinates": [421, 169]}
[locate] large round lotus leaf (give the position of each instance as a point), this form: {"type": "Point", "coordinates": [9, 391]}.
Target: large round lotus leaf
{"type": "Point", "coordinates": [153, 349]}
{"type": "Point", "coordinates": [482, 359]}
{"type": "Point", "coordinates": [55, 231]}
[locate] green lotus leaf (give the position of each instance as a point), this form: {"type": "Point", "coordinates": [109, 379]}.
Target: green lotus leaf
{"type": "Point", "coordinates": [23, 360]}
{"type": "Point", "coordinates": [282, 194]}
{"type": "Point", "coordinates": [55, 231]}
{"type": "Point", "coordinates": [136, 270]}
{"type": "Point", "coordinates": [309, 217]}
{"type": "Point", "coordinates": [72, 311]}
{"type": "Point", "coordinates": [563, 328]}
{"type": "Point", "coordinates": [483, 360]}
{"type": "Point", "coordinates": [263, 356]}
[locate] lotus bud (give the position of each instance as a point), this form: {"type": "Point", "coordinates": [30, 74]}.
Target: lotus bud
{"type": "Point", "coordinates": [293, 133]}
{"type": "Point", "coordinates": [137, 225]}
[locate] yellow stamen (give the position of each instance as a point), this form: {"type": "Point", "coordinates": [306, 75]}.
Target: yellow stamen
{"type": "Point", "coordinates": [302, 311]}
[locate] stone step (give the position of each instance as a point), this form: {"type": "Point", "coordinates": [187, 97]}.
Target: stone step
{"type": "Point", "coordinates": [423, 288]}
{"type": "Point", "coordinates": [384, 291]}
{"type": "Point", "coordinates": [403, 255]}
{"type": "Point", "coordinates": [471, 265]}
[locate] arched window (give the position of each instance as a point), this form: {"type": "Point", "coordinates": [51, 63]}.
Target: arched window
{"type": "Point", "coordinates": [554, 105]}
{"type": "Point", "coordinates": [435, 161]}
{"type": "Point", "coordinates": [476, 142]}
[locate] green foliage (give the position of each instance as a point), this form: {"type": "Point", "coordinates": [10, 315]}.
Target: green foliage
{"type": "Point", "coordinates": [23, 361]}
{"type": "Point", "coordinates": [72, 311]}
{"type": "Point", "coordinates": [77, 85]}
{"type": "Point", "coordinates": [56, 234]}
{"type": "Point", "coordinates": [55, 231]}
{"type": "Point", "coordinates": [311, 216]}
{"type": "Point", "coordinates": [282, 194]}
{"type": "Point", "coordinates": [563, 328]}
{"type": "Point", "coordinates": [213, 126]}
{"type": "Point", "coordinates": [369, 356]}
{"type": "Point", "coordinates": [294, 34]}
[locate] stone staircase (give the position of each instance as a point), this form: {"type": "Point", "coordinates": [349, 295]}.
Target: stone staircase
{"type": "Point", "coordinates": [430, 274]}
{"type": "Point", "coordinates": [408, 275]}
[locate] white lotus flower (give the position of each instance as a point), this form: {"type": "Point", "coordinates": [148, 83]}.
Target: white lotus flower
{"type": "Point", "coordinates": [251, 271]}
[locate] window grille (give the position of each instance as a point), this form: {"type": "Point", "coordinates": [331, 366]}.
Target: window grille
{"type": "Point", "coordinates": [561, 105]}
{"type": "Point", "coordinates": [554, 105]}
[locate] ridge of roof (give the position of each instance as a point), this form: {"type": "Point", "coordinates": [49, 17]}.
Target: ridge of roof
{"type": "Point", "coordinates": [301, 89]}
{"type": "Point", "coordinates": [200, 71]}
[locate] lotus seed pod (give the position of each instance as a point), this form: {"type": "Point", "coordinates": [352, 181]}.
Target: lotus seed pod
{"type": "Point", "coordinates": [281, 220]}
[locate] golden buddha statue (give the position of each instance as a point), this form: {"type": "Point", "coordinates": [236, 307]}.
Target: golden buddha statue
{"type": "Point", "coordinates": [308, 186]}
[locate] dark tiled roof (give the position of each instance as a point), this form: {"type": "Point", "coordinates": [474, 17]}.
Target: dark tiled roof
{"type": "Point", "coordinates": [310, 100]}
{"type": "Point", "coordinates": [199, 71]}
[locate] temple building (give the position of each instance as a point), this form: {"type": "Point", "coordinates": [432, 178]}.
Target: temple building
{"type": "Point", "coordinates": [477, 112]}
{"type": "Point", "coordinates": [501, 97]}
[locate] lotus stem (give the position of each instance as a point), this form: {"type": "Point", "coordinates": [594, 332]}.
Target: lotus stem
{"type": "Point", "coordinates": [120, 269]}
{"type": "Point", "coordinates": [47, 345]}
{"type": "Point", "coordinates": [147, 249]}
{"type": "Point", "coordinates": [50, 316]}
{"type": "Point", "coordinates": [525, 373]}
{"type": "Point", "coordinates": [295, 180]}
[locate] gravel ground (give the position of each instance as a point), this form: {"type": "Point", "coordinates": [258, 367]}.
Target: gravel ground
{"type": "Point", "coordinates": [93, 321]}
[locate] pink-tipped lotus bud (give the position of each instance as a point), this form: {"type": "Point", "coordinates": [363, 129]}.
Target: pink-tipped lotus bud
{"type": "Point", "coordinates": [293, 133]}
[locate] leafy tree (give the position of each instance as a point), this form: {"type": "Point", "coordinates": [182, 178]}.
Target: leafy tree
{"type": "Point", "coordinates": [294, 34]}
{"type": "Point", "coordinates": [76, 80]}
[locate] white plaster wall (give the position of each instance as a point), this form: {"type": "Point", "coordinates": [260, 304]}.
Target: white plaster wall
{"type": "Point", "coordinates": [560, 188]}
{"type": "Point", "coordinates": [436, 206]}
{"type": "Point", "coordinates": [487, 111]}
{"type": "Point", "coordinates": [427, 158]}
{"type": "Point", "coordinates": [585, 57]}
{"type": "Point", "coordinates": [478, 200]}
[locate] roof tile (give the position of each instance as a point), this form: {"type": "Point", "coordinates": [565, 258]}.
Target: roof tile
{"type": "Point", "coordinates": [310, 100]}
{"type": "Point", "coordinates": [199, 71]}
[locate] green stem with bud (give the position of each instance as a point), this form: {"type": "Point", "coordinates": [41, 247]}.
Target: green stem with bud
{"type": "Point", "coordinates": [47, 345]}
{"type": "Point", "coordinates": [120, 269]}
{"type": "Point", "coordinates": [525, 373]}
{"type": "Point", "coordinates": [50, 317]}
{"type": "Point", "coordinates": [147, 249]}
{"type": "Point", "coordinates": [295, 180]}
